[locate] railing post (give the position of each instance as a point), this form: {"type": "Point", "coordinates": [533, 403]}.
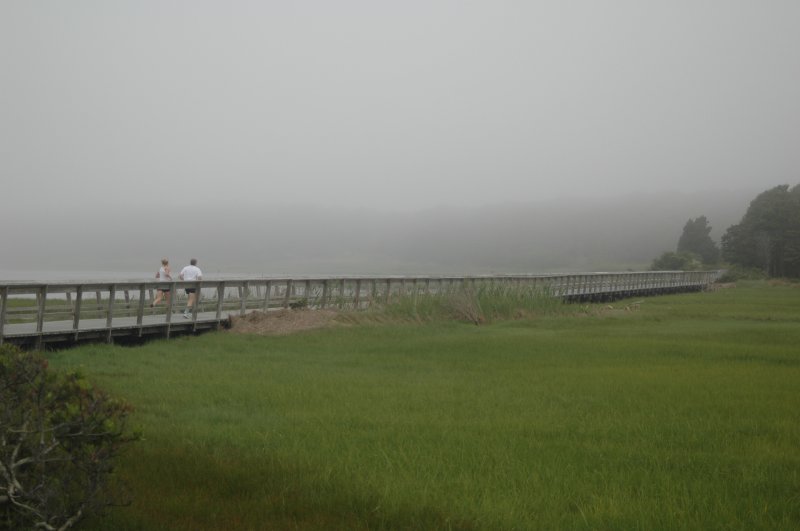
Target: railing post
{"type": "Point", "coordinates": [221, 297]}
{"type": "Point", "coordinates": [357, 298]}
{"type": "Point", "coordinates": [41, 297]}
{"type": "Point", "coordinates": [3, 303]}
{"type": "Point", "coordinates": [112, 293]}
{"type": "Point", "coordinates": [196, 307]}
{"type": "Point", "coordinates": [288, 293]}
{"type": "Point", "coordinates": [324, 293]}
{"type": "Point", "coordinates": [168, 317]}
{"type": "Point", "coordinates": [76, 319]}
{"type": "Point", "coordinates": [171, 304]}
{"type": "Point", "coordinates": [243, 291]}
{"type": "Point", "coordinates": [267, 290]}
{"type": "Point", "coordinates": [140, 308]}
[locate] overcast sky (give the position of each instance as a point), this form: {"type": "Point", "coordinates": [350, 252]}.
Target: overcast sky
{"type": "Point", "coordinates": [394, 105]}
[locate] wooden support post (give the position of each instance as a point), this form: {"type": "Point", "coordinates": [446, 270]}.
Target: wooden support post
{"type": "Point", "coordinates": [140, 309]}
{"type": "Point", "coordinates": [341, 293]}
{"type": "Point", "coordinates": [324, 293]}
{"type": "Point", "coordinates": [3, 306]}
{"type": "Point", "coordinates": [170, 304]}
{"type": "Point", "coordinates": [243, 299]}
{"type": "Point", "coordinates": [267, 290]}
{"type": "Point", "coordinates": [373, 291]}
{"type": "Point", "coordinates": [41, 297]}
{"type": "Point", "coordinates": [112, 293]}
{"type": "Point", "coordinates": [357, 299]}
{"type": "Point", "coordinates": [76, 320]}
{"type": "Point", "coordinates": [221, 298]}
{"type": "Point", "coordinates": [307, 294]}
{"type": "Point", "coordinates": [288, 293]}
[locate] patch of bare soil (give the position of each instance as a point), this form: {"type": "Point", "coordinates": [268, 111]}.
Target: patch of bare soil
{"type": "Point", "coordinates": [783, 282]}
{"type": "Point", "coordinates": [610, 309]}
{"type": "Point", "coordinates": [281, 322]}
{"type": "Point", "coordinates": [716, 286]}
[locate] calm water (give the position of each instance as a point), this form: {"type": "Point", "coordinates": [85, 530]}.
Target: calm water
{"type": "Point", "coordinates": [13, 275]}
{"type": "Point", "coordinates": [70, 276]}
{"type": "Point", "coordinates": [16, 275]}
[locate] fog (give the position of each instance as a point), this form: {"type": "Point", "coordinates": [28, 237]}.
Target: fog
{"type": "Point", "coordinates": [510, 238]}
{"type": "Point", "coordinates": [374, 137]}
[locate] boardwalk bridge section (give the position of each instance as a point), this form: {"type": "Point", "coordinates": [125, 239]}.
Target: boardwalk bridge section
{"type": "Point", "coordinates": [56, 314]}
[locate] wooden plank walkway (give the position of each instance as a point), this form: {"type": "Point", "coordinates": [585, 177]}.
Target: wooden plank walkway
{"type": "Point", "coordinates": [120, 326]}
{"type": "Point", "coordinates": [57, 314]}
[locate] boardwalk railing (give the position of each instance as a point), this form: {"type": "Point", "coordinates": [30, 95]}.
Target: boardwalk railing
{"type": "Point", "coordinates": [32, 314]}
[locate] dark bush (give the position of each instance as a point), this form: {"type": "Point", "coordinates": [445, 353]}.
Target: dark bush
{"type": "Point", "coordinates": [670, 261]}
{"type": "Point", "coordinates": [59, 437]}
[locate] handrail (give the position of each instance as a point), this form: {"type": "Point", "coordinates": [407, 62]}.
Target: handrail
{"type": "Point", "coordinates": [76, 309]}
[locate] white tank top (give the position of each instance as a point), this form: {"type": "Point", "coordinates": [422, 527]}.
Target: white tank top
{"type": "Point", "coordinates": [162, 274]}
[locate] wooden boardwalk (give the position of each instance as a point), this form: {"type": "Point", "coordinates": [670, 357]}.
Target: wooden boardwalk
{"type": "Point", "coordinates": [58, 314]}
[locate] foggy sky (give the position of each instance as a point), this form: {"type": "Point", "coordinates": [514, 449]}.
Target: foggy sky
{"type": "Point", "coordinates": [391, 106]}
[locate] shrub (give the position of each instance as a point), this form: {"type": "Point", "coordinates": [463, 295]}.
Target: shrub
{"type": "Point", "coordinates": [734, 273]}
{"type": "Point", "coordinates": [682, 261]}
{"type": "Point", "coordinates": [59, 436]}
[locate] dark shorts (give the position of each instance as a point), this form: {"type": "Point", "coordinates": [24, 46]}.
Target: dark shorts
{"type": "Point", "coordinates": [190, 290]}
{"type": "Point", "coordinates": [165, 290]}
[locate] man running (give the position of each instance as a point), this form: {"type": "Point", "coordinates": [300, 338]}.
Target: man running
{"type": "Point", "coordinates": [188, 273]}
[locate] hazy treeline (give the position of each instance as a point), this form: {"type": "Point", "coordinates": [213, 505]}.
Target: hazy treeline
{"type": "Point", "coordinates": [307, 239]}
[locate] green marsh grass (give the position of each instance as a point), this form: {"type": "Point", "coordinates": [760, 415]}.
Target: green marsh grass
{"type": "Point", "coordinates": [476, 303]}
{"type": "Point", "coordinates": [681, 414]}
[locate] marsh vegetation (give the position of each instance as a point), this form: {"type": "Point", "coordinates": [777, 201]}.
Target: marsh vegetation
{"type": "Point", "coordinates": [679, 412]}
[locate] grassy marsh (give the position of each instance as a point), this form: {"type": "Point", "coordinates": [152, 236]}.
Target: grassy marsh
{"type": "Point", "coordinates": [683, 413]}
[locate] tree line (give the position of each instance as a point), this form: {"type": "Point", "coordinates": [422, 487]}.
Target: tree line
{"type": "Point", "coordinates": [766, 240]}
